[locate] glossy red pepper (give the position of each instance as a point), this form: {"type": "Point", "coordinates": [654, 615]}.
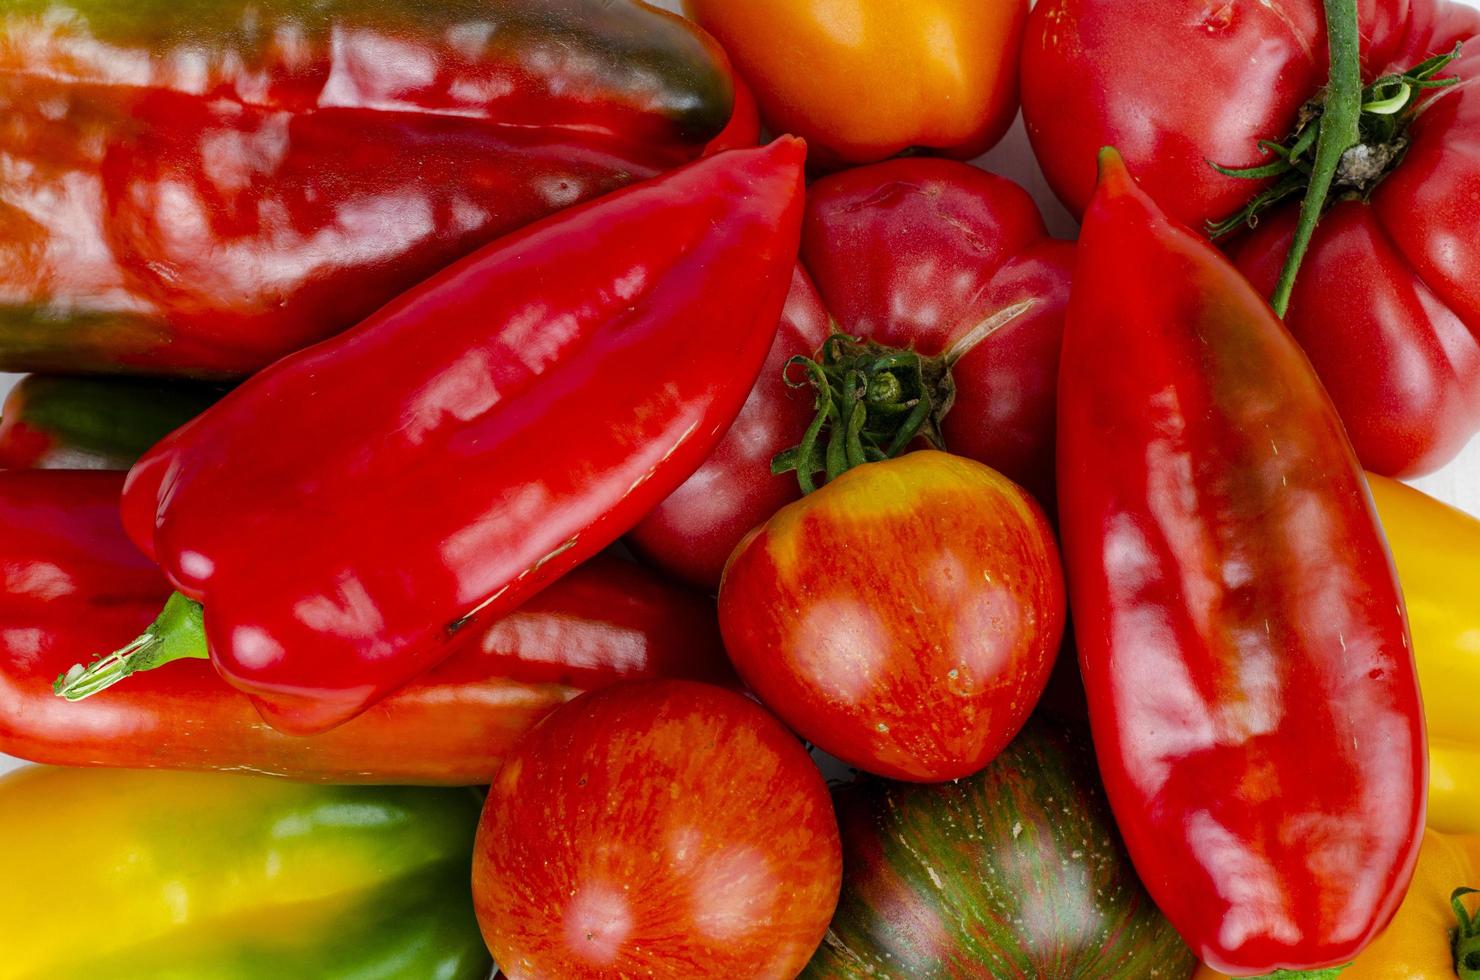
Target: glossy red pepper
{"type": "Point", "coordinates": [74, 583]}
{"type": "Point", "coordinates": [199, 187]}
{"type": "Point", "coordinates": [1241, 632]}
{"type": "Point", "coordinates": [470, 443]}
{"type": "Point", "coordinates": [912, 253]}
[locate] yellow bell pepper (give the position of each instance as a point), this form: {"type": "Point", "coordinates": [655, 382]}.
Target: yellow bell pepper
{"type": "Point", "coordinates": [1437, 550]}
{"type": "Point", "coordinates": [112, 874]}
{"type": "Point", "coordinates": [1420, 944]}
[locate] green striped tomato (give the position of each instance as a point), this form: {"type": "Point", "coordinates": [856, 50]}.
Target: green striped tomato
{"type": "Point", "coordinates": [1016, 872]}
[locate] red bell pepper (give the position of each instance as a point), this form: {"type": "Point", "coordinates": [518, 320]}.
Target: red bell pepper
{"type": "Point", "coordinates": [81, 423]}
{"type": "Point", "coordinates": [199, 187]}
{"type": "Point", "coordinates": [925, 255]}
{"type": "Point", "coordinates": [467, 445]}
{"type": "Point", "coordinates": [1241, 632]}
{"type": "Point", "coordinates": [74, 582]}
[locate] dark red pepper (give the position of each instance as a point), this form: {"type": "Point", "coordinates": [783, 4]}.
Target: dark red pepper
{"type": "Point", "coordinates": [929, 255]}
{"type": "Point", "coordinates": [199, 188]}
{"type": "Point", "coordinates": [467, 445]}
{"type": "Point", "coordinates": [1241, 632]}
{"type": "Point", "coordinates": [74, 583]}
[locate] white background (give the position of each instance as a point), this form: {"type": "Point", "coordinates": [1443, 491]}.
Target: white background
{"type": "Point", "coordinates": [1458, 483]}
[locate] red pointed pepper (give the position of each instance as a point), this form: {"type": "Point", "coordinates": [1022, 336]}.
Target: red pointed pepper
{"type": "Point", "coordinates": [199, 188]}
{"type": "Point", "coordinates": [74, 583]}
{"type": "Point", "coordinates": [347, 512]}
{"type": "Point", "coordinates": [1241, 632]}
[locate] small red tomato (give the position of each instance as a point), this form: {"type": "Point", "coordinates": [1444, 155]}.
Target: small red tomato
{"type": "Point", "coordinates": [657, 829]}
{"type": "Point", "coordinates": [905, 617]}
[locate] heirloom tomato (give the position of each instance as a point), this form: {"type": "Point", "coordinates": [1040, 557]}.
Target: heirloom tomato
{"type": "Point", "coordinates": [1014, 872]}
{"type": "Point", "coordinates": [1387, 302]}
{"type": "Point", "coordinates": [657, 829]}
{"type": "Point", "coordinates": [904, 618]}
{"type": "Point", "coordinates": [926, 256]}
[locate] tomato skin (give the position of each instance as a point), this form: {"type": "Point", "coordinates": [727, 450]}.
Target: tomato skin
{"type": "Point", "coordinates": [904, 618]}
{"type": "Point", "coordinates": [863, 80]}
{"type": "Point", "coordinates": [1410, 397]}
{"type": "Point", "coordinates": [915, 253]}
{"type": "Point", "coordinates": [1015, 872]}
{"type": "Point", "coordinates": [692, 533]}
{"type": "Point", "coordinates": [911, 253]}
{"type": "Point", "coordinates": [1388, 304]}
{"type": "Point", "coordinates": [656, 829]}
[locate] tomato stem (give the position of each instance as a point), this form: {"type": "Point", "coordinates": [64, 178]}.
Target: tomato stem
{"type": "Point", "coordinates": [874, 401]}
{"type": "Point", "coordinates": [178, 633]}
{"type": "Point", "coordinates": [1339, 132]}
{"type": "Point", "coordinates": [1349, 139]}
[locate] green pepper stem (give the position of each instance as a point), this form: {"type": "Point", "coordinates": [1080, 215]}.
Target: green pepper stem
{"type": "Point", "coordinates": [1339, 132]}
{"type": "Point", "coordinates": [1466, 936]}
{"type": "Point", "coordinates": [1329, 973]}
{"type": "Point", "coordinates": [177, 634]}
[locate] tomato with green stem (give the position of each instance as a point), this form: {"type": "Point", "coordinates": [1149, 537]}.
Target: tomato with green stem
{"type": "Point", "coordinates": [933, 267]}
{"type": "Point", "coordinates": [1242, 115]}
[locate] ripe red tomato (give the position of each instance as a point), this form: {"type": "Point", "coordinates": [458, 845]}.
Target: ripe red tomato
{"type": "Point", "coordinates": [1387, 305]}
{"type": "Point", "coordinates": [657, 829]}
{"type": "Point", "coordinates": [904, 618]}
{"type": "Point", "coordinates": [911, 253]}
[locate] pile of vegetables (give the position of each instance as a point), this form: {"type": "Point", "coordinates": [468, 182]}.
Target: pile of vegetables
{"type": "Point", "coordinates": [558, 488]}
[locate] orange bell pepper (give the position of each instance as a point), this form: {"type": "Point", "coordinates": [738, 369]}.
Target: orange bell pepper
{"type": "Point", "coordinates": [862, 80]}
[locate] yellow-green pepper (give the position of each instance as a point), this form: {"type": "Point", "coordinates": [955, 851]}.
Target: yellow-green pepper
{"type": "Point", "coordinates": [1437, 550]}
{"type": "Point", "coordinates": [129, 875]}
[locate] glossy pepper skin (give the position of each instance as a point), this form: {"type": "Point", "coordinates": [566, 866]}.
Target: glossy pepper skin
{"type": "Point", "coordinates": [1416, 946]}
{"type": "Point", "coordinates": [1387, 305]}
{"type": "Point", "coordinates": [75, 583]}
{"type": "Point", "coordinates": [81, 423]}
{"type": "Point", "coordinates": [200, 187]}
{"type": "Point", "coordinates": [187, 875]}
{"type": "Point", "coordinates": [1437, 551]}
{"type": "Point", "coordinates": [911, 253]}
{"type": "Point", "coordinates": [863, 80]}
{"type": "Point", "coordinates": [474, 440]}
{"type": "Point", "coordinates": [1242, 639]}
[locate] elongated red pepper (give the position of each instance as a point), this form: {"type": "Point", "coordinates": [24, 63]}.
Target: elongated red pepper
{"type": "Point", "coordinates": [199, 187]}
{"type": "Point", "coordinates": [467, 445]}
{"type": "Point", "coordinates": [1241, 631]}
{"type": "Point", "coordinates": [74, 582]}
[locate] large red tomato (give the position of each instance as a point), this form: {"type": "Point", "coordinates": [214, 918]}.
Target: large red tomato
{"type": "Point", "coordinates": [656, 829]}
{"type": "Point", "coordinates": [904, 618]}
{"type": "Point", "coordinates": [915, 254]}
{"type": "Point", "coordinates": [1388, 302]}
